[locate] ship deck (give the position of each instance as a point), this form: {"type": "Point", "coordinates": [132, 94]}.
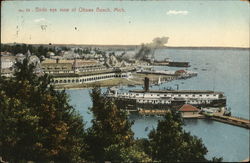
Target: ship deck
{"type": "Point", "coordinates": [177, 91]}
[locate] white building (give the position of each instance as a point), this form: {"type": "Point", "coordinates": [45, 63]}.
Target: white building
{"type": "Point", "coordinates": [7, 61]}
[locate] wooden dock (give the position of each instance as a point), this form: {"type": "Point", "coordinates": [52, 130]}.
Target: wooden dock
{"type": "Point", "coordinates": [236, 121]}
{"type": "Point", "coordinates": [233, 121]}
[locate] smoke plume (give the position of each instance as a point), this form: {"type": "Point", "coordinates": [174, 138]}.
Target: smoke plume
{"type": "Point", "coordinates": [147, 50]}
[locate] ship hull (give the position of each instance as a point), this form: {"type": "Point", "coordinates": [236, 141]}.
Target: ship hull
{"type": "Point", "coordinates": [133, 105]}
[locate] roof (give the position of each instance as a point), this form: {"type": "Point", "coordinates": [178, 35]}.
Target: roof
{"type": "Point", "coordinates": [79, 61]}
{"type": "Point", "coordinates": [180, 71]}
{"type": "Point", "coordinates": [188, 108]}
{"type": "Point", "coordinates": [57, 66]}
{"type": "Point", "coordinates": [177, 91]}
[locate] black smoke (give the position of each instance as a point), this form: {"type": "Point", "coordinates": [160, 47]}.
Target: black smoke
{"type": "Point", "coordinates": [147, 50]}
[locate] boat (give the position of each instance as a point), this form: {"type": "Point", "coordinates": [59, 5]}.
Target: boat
{"type": "Point", "coordinates": [166, 99]}
{"type": "Point", "coordinates": [181, 74]}
{"type": "Point", "coordinates": [159, 81]}
{"type": "Point", "coordinates": [168, 62]}
{"type": "Point", "coordinates": [178, 64]}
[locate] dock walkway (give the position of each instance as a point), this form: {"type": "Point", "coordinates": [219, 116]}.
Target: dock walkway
{"type": "Point", "coordinates": [236, 121]}
{"type": "Point", "coordinates": [233, 121]}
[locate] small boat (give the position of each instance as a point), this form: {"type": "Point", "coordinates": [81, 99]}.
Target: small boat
{"type": "Point", "coordinates": [131, 85]}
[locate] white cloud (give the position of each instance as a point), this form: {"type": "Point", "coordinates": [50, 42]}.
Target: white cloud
{"type": "Point", "coordinates": [39, 20]}
{"type": "Point", "coordinates": [177, 12]}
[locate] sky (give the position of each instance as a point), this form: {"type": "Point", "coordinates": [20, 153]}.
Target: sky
{"type": "Point", "coordinates": [186, 23]}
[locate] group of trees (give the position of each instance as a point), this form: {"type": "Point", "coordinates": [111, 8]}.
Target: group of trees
{"type": "Point", "coordinates": [18, 48]}
{"type": "Point", "coordinates": [38, 124]}
{"type": "Point", "coordinates": [82, 51]}
{"type": "Point", "coordinates": [39, 51]}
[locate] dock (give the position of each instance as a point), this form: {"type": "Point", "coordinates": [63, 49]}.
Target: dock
{"type": "Point", "coordinates": [231, 120]}
{"type": "Point", "coordinates": [236, 121]}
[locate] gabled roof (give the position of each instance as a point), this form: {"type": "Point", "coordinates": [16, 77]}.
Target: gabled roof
{"type": "Point", "coordinates": [180, 71]}
{"type": "Point", "coordinates": [188, 108]}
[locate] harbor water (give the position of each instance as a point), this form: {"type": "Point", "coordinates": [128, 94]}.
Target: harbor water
{"type": "Point", "coordinates": [219, 70]}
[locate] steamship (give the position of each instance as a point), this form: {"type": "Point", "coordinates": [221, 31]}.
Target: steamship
{"type": "Point", "coordinates": [134, 100]}
{"type": "Point", "coordinates": [170, 63]}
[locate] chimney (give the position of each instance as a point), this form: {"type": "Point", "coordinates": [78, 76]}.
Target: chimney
{"type": "Point", "coordinates": [146, 84]}
{"type": "Point", "coordinates": [57, 60]}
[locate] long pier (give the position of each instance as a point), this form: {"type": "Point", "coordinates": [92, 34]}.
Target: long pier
{"type": "Point", "coordinates": [232, 121]}
{"type": "Point", "coordinates": [236, 121]}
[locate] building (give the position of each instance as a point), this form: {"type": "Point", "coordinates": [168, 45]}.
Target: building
{"type": "Point", "coordinates": [72, 78]}
{"type": "Point", "coordinates": [7, 61]}
{"type": "Point", "coordinates": [54, 66]}
{"type": "Point", "coordinates": [189, 111]}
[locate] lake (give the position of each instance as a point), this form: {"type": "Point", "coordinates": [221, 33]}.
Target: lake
{"type": "Point", "coordinates": [219, 70]}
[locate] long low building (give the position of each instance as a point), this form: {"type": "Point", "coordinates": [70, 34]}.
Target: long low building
{"type": "Point", "coordinates": [50, 66]}
{"type": "Point", "coordinates": [72, 78]}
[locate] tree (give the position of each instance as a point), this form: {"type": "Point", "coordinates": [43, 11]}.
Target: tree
{"type": "Point", "coordinates": [17, 49]}
{"type": "Point", "coordinates": [170, 143]}
{"type": "Point", "coordinates": [37, 123]}
{"type": "Point", "coordinates": [110, 138]}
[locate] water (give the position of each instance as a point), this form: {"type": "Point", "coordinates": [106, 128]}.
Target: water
{"type": "Point", "coordinates": [226, 71]}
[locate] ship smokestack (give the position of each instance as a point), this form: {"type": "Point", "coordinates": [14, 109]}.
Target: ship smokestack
{"type": "Point", "coordinates": [146, 84]}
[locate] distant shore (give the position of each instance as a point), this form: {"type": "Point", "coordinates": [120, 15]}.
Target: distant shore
{"type": "Point", "coordinates": [117, 46]}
